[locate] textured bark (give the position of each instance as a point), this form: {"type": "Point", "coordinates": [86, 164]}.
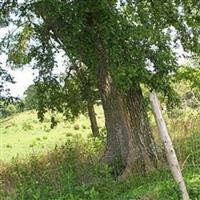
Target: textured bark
{"type": "Point", "coordinates": [141, 141]}
{"type": "Point", "coordinates": [130, 144]}
{"type": "Point", "coordinates": [93, 120]}
{"type": "Point", "coordinates": [117, 125]}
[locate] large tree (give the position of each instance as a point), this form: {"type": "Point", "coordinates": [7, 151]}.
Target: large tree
{"type": "Point", "coordinates": [123, 44]}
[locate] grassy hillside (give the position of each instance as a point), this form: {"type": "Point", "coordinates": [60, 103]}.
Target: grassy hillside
{"type": "Point", "coordinates": [23, 134]}
{"type": "Point", "coordinates": [63, 163]}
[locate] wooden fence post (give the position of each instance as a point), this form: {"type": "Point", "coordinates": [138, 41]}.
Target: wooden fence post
{"type": "Point", "coordinates": [169, 149]}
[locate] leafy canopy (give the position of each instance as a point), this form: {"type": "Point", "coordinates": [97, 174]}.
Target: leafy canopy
{"type": "Point", "coordinates": [137, 37]}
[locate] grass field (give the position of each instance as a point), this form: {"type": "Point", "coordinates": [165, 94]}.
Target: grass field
{"type": "Point", "coordinates": [63, 163]}
{"type": "Point", "coordinates": [23, 134]}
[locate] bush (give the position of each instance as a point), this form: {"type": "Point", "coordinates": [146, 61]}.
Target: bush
{"type": "Point", "coordinates": [76, 127]}
{"type": "Point", "coordinates": [84, 126]}
{"type": "Point", "coordinates": [8, 110]}
{"type": "Point", "coordinates": [27, 125]}
{"type": "Point", "coordinates": [46, 128]}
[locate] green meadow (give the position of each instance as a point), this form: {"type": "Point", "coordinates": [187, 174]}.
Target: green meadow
{"type": "Point", "coordinates": [22, 134]}
{"type": "Point", "coordinates": [41, 163]}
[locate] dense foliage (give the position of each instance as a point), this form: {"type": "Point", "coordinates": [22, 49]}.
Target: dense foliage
{"type": "Point", "coordinates": [137, 37]}
{"type": "Point", "coordinates": [5, 97]}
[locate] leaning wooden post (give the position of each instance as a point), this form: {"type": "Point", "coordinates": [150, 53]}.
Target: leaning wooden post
{"type": "Point", "coordinates": [169, 149]}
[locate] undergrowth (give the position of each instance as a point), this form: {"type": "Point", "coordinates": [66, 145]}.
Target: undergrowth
{"type": "Point", "coordinates": [73, 172]}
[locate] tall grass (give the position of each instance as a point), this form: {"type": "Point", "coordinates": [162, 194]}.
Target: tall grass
{"type": "Point", "coordinates": [72, 171]}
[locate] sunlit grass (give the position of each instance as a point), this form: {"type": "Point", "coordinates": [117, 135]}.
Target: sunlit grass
{"type": "Point", "coordinates": [72, 170]}
{"type": "Point", "coordinates": [23, 134]}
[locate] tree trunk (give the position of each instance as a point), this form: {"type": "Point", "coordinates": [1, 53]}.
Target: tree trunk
{"type": "Point", "coordinates": [93, 120]}
{"type": "Point", "coordinates": [141, 141]}
{"type": "Point", "coordinates": [130, 144]}
{"type": "Point", "coordinates": [117, 125]}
